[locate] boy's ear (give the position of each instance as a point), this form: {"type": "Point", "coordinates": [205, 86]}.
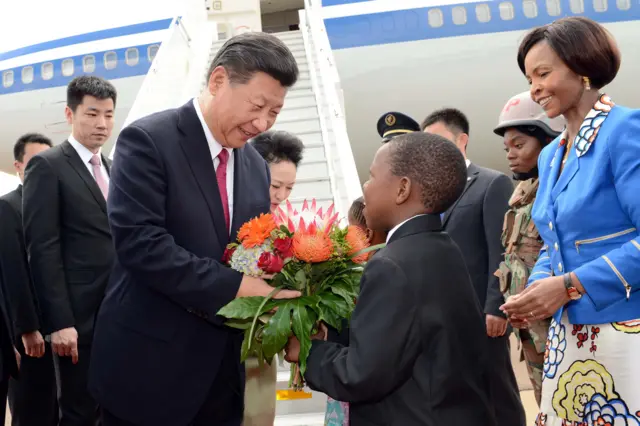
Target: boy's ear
{"type": "Point", "coordinates": [369, 234]}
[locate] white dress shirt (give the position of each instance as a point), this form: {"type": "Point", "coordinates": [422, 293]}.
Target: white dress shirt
{"type": "Point", "coordinates": [215, 149]}
{"type": "Point", "coordinates": [395, 228]}
{"type": "Point", "coordinates": [86, 155]}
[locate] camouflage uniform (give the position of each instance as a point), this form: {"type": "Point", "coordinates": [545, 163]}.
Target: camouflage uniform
{"type": "Point", "coordinates": [523, 243]}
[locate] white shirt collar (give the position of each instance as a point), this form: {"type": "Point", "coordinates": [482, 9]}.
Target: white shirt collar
{"type": "Point", "coordinates": [395, 228]}
{"type": "Point", "coordinates": [83, 151]}
{"type": "Point", "coordinates": [214, 145]}
{"type": "Point", "coordinates": [468, 162]}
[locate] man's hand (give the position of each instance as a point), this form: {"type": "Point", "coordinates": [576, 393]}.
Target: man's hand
{"type": "Point", "coordinates": [251, 286]}
{"type": "Point", "coordinates": [65, 343]}
{"type": "Point", "coordinates": [496, 326]}
{"type": "Point", "coordinates": [33, 344]}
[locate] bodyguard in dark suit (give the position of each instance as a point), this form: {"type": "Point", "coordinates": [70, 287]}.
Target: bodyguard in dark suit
{"type": "Point", "coordinates": [184, 181]}
{"type": "Point", "coordinates": [416, 353]}
{"type": "Point", "coordinates": [474, 222]}
{"type": "Point", "coordinates": [32, 399]}
{"type": "Point", "coordinates": [68, 239]}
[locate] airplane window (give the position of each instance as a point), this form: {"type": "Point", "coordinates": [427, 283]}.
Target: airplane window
{"type": "Point", "coordinates": [47, 71]}
{"type": "Point", "coordinates": [152, 51]}
{"type": "Point", "coordinates": [483, 13]}
{"type": "Point", "coordinates": [7, 78]}
{"type": "Point", "coordinates": [577, 6]}
{"type": "Point", "coordinates": [67, 67]}
{"type": "Point", "coordinates": [132, 57]}
{"type": "Point", "coordinates": [459, 15]}
{"type": "Point", "coordinates": [600, 5]}
{"type": "Point", "coordinates": [110, 60]}
{"type": "Point", "coordinates": [530, 8]}
{"type": "Point", "coordinates": [623, 4]}
{"type": "Point", "coordinates": [27, 74]}
{"type": "Point", "coordinates": [507, 11]}
{"type": "Point", "coordinates": [553, 7]}
{"type": "Point", "coordinates": [435, 18]}
{"type": "Point", "coordinates": [89, 63]}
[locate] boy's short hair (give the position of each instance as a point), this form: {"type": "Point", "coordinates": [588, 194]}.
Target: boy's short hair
{"type": "Point", "coordinates": [434, 164]}
{"type": "Point", "coordinates": [356, 211]}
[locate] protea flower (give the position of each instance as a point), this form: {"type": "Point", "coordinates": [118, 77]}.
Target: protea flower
{"type": "Point", "coordinates": [357, 240]}
{"type": "Point", "coordinates": [309, 220]}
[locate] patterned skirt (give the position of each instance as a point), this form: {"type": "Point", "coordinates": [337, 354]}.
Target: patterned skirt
{"type": "Point", "coordinates": [337, 413]}
{"type": "Point", "coordinates": [591, 375]}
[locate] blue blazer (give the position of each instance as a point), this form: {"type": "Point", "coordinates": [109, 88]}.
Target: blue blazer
{"type": "Point", "coordinates": [589, 217]}
{"type": "Point", "coordinates": [158, 343]}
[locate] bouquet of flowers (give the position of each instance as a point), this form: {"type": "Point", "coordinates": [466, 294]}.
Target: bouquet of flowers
{"type": "Point", "coordinates": [308, 252]}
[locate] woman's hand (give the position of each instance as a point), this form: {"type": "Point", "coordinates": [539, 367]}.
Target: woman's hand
{"type": "Point", "coordinates": [538, 301]}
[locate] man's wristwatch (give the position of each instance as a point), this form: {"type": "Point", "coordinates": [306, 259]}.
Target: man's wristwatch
{"type": "Point", "coordinates": [572, 292]}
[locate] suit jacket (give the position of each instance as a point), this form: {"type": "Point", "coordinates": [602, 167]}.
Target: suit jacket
{"type": "Point", "coordinates": [474, 223]}
{"type": "Point", "coordinates": [407, 361]}
{"type": "Point", "coordinates": [8, 364]}
{"type": "Point", "coordinates": [67, 238]}
{"type": "Point", "coordinates": [589, 216]}
{"type": "Point", "coordinates": [15, 266]}
{"type": "Point", "coordinates": [159, 342]}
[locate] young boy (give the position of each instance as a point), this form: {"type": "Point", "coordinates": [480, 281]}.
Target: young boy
{"type": "Point", "coordinates": [416, 346]}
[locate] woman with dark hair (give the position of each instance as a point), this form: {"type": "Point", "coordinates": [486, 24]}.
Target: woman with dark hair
{"type": "Point", "coordinates": [283, 153]}
{"type": "Point", "coordinates": [525, 130]}
{"type": "Point", "coordinates": [588, 214]}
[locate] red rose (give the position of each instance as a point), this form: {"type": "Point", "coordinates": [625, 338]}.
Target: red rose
{"type": "Point", "coordinates": [228, 252]}
{"type": "Point", "coordinates": [270, 263]}
{"type": "Point", "coordinates": [284, 246]}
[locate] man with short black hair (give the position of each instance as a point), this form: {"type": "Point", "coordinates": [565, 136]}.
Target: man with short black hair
{"type": "Point", "coordinates": [184, 180]}
{"type": "Point", "coordinates": [32, 399]}
{"type": "Point", "coordinates": [474, 222]}
{"type": "Point", "coordinates": [416, 351]}
{"type": "Point", "coordinates": [68, 239]}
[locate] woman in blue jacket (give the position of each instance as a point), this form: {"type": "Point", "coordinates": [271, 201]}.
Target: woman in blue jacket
{"type": "Point", "coordinates": [588, 213]}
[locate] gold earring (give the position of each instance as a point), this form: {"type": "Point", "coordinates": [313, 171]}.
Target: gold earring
{"type": "Point", "coordinates": [587, 83]}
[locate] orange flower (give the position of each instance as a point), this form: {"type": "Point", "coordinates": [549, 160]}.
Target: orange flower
{"type": "Point", "coordinates": [357, 240]}
{"type": "Point", "coordinates": [256, 231]}
{"type": "Point", "coordinates": [312, 247]}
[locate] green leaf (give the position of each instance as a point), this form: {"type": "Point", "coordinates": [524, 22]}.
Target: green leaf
{"type": "Point", "coordinates": [260, 311]}
{"type": "Point", "coordinates": [335, 304]}
{"type": "Point", "coordinates": [277, 331]}
{"type": "Point", "coordinates": [245, 307]}
{"type": "Point", "coordinates": [303, 321]}
{"type": "Point", "coordinates": [346, 294]}
{"type": "Point", "coordinates": [330, 317]}
{"type": "Point", "coordinates": [301, 280]}
{"type": "Point", "coordinates": [239, 324]}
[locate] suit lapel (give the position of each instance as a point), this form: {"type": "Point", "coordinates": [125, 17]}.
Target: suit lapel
{"type": "Point", "coordinates": [240, 174]}
{"type": "Point", "coordinates": [107, 164]}
{"type": "Point", "coordinates": [76, 163]}
{"type": "Point", "coordinates": [571, 167]}
{"type": "Point", "coordinates": [198, 155]}
{"type": "Point", "coordinates": [472, 175]}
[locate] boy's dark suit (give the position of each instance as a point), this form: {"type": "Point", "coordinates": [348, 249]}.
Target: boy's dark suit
{"type": "Point", "coordinates": [417, 338]}
{"type": "Point", "coordinates": [474, 223]}
{"type": "Point", "coordinates": [32, 398]}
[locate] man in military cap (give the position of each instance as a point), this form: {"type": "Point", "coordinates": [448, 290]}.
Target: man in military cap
{"type": "Point", "coordinates": [395, 123]}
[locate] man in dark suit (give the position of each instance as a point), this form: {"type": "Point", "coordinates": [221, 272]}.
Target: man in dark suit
{"type": "Point", "coordinates": [183, 183]}
{"type": "Point", "coordinates": [32, 399]}
{"type": "Point", "coordinates": [9, 356]}
{"type": "Point", "coordinates": [474, 222]}
{"type": "Point", "coordinates": [68, 239]}
{"type": "Point", "coordinates": [416, 351]}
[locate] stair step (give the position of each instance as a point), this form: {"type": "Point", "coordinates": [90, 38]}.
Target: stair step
{"type": "Point", "coordinates": [312, 419]}
{"type": "Point", "coordinates": [316, 188]}
{"type": "Point", "coordinates": [296, 114]}
{"type": "Point", "coordinates": [299, 126]}
{"type": "Point", "coordinates": [313, 170]}
{"type": "Point", "coordinates": [297, 102]}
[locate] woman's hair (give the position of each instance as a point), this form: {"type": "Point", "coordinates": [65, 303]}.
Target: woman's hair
{"type": "Point", "coordinates": [277, 145]}
{"type": "Point", "coordinates": [585, 46]}
{"type": "Point", "coordinates": [355, 212]}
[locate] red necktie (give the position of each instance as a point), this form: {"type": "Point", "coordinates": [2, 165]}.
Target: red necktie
{"type": "Point", "coordinates": [221, 177]}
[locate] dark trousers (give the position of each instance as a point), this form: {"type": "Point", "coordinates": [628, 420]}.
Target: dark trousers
{"type": "Point", "coordinates": [77, 406]}
{"type": "Point", "coordinates": [32, 398]}
{"type": "Point", "coordinates": [4, 386]}
{"type": "Point", "coordinates": [224, 405]}
{"type": "Point", "coordinates": [505, 395]}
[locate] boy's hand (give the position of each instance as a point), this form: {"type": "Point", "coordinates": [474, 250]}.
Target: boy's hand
{"type": "Point", "coordinates": [292, 350]}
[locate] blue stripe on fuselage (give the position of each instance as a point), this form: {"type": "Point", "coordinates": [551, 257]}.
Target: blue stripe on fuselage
{"type": "Point", "coordinates": [144, 27]}
{"type": "Point", "coordinates": [413, 24]}
{"type": "Point", "coordinates": [121, 70]}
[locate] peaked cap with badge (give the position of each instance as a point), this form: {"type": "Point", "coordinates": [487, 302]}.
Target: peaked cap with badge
{"type": "Point", "coordinates": [395, 123]}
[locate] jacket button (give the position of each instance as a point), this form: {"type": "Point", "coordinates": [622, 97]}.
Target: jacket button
{"type": "Point", "coordinates": [551, 226]}
{"type": "Point", "coordinates": [560, 266]}
{"type": "Point", "coordinates": [555, 245]}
